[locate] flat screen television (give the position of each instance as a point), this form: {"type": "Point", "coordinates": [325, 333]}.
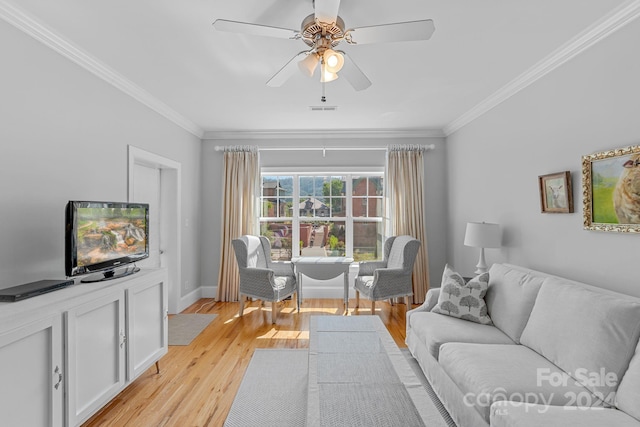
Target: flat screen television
{"type": "Point", "coordinates": [105, 238]}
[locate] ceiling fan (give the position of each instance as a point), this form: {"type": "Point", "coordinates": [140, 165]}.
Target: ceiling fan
{"type": "Point", "coordinates": [322, 31]}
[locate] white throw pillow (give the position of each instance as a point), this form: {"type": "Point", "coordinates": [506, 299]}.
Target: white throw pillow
{"type": "Point", "coordinates": [463, 300]}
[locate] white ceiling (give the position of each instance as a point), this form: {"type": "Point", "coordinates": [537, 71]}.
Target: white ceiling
{"type": "Point", "coordinates": [216, 80]}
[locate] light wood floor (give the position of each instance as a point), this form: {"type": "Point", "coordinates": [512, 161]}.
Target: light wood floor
{"type": "Point", "coordinates": [197, 383]}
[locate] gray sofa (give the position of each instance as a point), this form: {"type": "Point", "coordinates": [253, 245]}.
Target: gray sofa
{"type": "Point", "coordinates": [559, 353]}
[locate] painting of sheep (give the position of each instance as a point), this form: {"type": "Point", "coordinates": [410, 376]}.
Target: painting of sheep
{"type": "Point", "coordinates": [555, 193]}
{"type": "Point", "coordinates": [614, 187]}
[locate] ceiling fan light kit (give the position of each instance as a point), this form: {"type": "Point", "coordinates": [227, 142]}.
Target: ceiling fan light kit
{"type": "Point", "coordinates": [309, 64]}
{"type": "Point", "coordinates": [324, 30]}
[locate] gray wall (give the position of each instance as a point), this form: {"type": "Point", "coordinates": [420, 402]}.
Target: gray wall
{"type": "Point", "coordinates": [64, 135]}
{"type": "Point", "coordinates": [435, 187]}
{"type": "Point", "coordinates": [587, 105]}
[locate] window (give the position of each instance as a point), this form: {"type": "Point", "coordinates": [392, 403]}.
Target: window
{"type": "Point", "coordinates": [327, 215]}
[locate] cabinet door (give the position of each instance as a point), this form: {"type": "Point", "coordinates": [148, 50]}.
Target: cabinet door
{"type": "Point", "coordinates": [146, 325]}
{"type": "Point", "coordinates": [96, 344]}
{"type": "Point", "coordinates": [31, 390]}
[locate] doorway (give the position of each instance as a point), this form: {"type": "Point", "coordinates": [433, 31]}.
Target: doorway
{"type": "Point", "coordinates": [155, 180]}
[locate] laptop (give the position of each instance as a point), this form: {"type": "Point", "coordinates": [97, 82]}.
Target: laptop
{"type": "Point", "coordinates": [28, 290]}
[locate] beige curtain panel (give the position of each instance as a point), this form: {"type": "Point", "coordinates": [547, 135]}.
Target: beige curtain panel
{"type": "Point", "coordinates": [405, 168]}
{"type": "Point", "coordinates": [240, 192]}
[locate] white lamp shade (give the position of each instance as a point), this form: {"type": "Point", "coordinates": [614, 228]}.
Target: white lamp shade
{"type": "Point", "coordinates": [309, 64]}
{"type": "Point", "coordinates": [326, 76]}
{"type": "Point", "coordinates": [483, 235]}
{"type": "Point", "coordinates": [333, 61]}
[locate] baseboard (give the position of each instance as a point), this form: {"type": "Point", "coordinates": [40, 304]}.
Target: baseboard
{"type": "Point", "coordinates": [325, 292]}
{"type": "Point", "coordinates": [209, 291]}
{"type": "Point", "coordinates": [190, 298]}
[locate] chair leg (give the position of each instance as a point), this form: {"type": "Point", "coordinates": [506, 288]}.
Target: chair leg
{"type": "Point", "coordinates": [373, 307]}
{"type": "Point", "coordinates": [274, 311]}
{"type": "Point", "coordinates": [242, 298]}
{"type": "Point", "coordinates": [357, 298]}
{"type": "Point", "coordinates": [407, 301]}
{"type": "Point", "coordinates": [391, 301]}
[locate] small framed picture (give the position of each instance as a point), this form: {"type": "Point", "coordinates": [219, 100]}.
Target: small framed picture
{"type": "Point", "coordinates": [556, 195]}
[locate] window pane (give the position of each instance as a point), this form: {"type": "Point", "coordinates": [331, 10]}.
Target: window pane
{"type": "Point", "coordinates": [375, 207]}
{"type": "Point", "coordinates": [267, 208]}
{"type": "Point", "coordinates": [335, 242]}
{"type": "Point", "coordinates": [322, 239]}
{"type": "Point", "coordinates": [367, 241]}
{"type": "Point", "coordinates": [313, 206]}
{"type": "Point", "coordinates": [279, 234]}
{"type": "Point", "coordinates": [359, 186]}
{"type": "Point", "coordinates": [285, 186]}
{"type": "Point", "coordinates": [306, 186]}
{"type": "Point", "coordinates": [269, 185]}
{"type": "Point", "coordinates": [359, 206]}
{"type": "Point", "coordinates": [376, 186]}
{"type": "Point", "coordinates": [338, 206]}
{"type": "Point", "coordinates": [334, 186]}
{"type": "Point", "coordinates": [367, 207]}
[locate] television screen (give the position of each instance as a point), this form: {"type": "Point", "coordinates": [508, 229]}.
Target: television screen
{"type": "Point", "coordinates": [105, 235]}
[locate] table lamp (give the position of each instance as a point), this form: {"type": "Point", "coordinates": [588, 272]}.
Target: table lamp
{"type": "Point", "coordinates": [482, 235]}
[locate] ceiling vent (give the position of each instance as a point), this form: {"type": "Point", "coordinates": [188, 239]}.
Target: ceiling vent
{"type": "Point", "coordinates": [323, 107]}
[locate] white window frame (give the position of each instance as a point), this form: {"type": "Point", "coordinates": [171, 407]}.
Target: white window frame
{"type": "Point", "coordinates": [348, 174]}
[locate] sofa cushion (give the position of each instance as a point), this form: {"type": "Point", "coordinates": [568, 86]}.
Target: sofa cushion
{"type": "Point", "coordinates": [510, 297]}
{"type": "Point", "coordinates": [435, 329]}
{"type": "Point", "coordinates": [584, 332]}
{"type": "Point", "coordinates": [515, 414]}
{"type": "Point", "coordinates": [486, 373]}
{"type": "Point", "coordinates": [628, 394]}
{"type": "Point", "coordinates": [463, 300]}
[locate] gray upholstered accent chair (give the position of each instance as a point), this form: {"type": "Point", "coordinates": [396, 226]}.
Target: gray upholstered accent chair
{"type": "Point", "coordinates": [391, 277]}
{"type": "Point", "coordinates": [260, 277]}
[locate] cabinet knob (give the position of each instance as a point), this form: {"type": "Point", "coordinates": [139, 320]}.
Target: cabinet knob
{"type": "Point", "coordinates": [57, 375]}
{"type": "Point", "coordinates": [123, 339]}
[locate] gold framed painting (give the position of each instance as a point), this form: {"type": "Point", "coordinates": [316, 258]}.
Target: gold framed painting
{"type": "Point", "coordinates": [611, 190]}
{"type": "Point", "coordinates": [556, 193]}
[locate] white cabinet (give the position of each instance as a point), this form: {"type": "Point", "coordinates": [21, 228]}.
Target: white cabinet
{"type": "Point", "coordinates": [66, 354]}
{"type": "Point", "coordinates": [95, 355]}
{"type": "Point", "coordinates": [31, 386]}
{"type": "Point", "coordinates": [147, 315]}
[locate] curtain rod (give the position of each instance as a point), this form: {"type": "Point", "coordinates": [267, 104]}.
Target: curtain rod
{"type": "Point", "coordinates": [323, 149]}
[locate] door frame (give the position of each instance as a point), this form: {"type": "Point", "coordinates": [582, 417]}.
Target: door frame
{"type": "Point", "coordinates": [170, 213]}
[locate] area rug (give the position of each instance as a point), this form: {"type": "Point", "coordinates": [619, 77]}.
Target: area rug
{"type": "Point", "coordinates": [183, 328]}
{"type": "Point", "coordinates": [273, 391]}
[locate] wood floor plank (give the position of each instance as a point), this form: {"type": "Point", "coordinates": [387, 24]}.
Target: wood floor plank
{"type": "Point", "coordinates": [197, 383]}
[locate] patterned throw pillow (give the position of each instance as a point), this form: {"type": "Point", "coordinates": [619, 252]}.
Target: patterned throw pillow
{"type": "Point", "coordinates": [463, 300]}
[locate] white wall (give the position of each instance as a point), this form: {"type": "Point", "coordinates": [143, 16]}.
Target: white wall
{"type": "Point", "coordinates": [588, 105]}
{"type": "Point", "coordinates": [64, 135]}
{"type": "Point", "coordinates": [435, 188]}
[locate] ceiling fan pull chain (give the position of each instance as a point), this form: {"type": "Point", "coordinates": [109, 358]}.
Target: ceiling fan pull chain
{"type": "Point", "coordinates": [323, 98]}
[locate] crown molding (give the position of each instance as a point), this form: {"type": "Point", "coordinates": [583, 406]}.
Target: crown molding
{"type": "Point", "coordinates": [601, 29]}
{"type": "Point", "coordinates": [324, 134]}
{"type": "Point", "coordinates": [30, 26]}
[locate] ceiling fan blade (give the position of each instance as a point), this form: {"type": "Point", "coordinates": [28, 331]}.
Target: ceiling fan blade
{"type": "Point", "coordinates": [354, 74]}
{"type": "Point", "coordinates": [398, 32]}
{"type": "Point", "coordinates": [326, 10]}
{"type": "Point", "coordinates": [289, 69]}
{"type": "Point", "coordinates": [254, 29]}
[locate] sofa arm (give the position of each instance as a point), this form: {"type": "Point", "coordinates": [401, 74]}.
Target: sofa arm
{"type": "Point", "coordinates": [430, 301]}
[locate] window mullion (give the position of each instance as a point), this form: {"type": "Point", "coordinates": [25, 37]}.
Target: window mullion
{"type": "Point", "coordinates": [349, 217]}
{"type": "Point", "coordinates": [295, 233]}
